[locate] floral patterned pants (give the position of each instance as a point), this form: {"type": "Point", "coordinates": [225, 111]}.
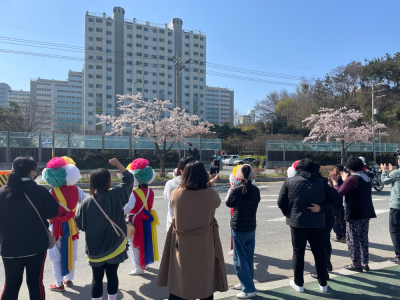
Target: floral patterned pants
{"type": "Point", "coordinates": [357, 241]}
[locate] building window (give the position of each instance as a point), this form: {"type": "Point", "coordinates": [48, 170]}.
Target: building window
{"type": "Point", "coordinates": [146, 73]}
{"type": "Point", "coordinates": [169, 93]}
{"type": "Point", "coordinates": [90, 113]}
{"type": "Point", "coordinates": [162, 40]}
{"type": "Point", "coordinates": [201, 54]}
{"type": "Point", "coordinates": [129, 44]}
{"type": "Point", "coordinates": [154, 74]}
{"type": "Point", "coordinates": [196, 37]}
{"type": "Point", "coordinates": [138, 36]}
{"type": "Point", "coordinates": [154, 91]}
{"type": "Point", "coordinates": [129, 89]}
{"type": "Point", "coordinates": [99, 58]}
{"type": "Point", "coordinates": [169, 50]}
{"type": "Point", "coordinates": [99, 86]}
{"type": "Point", "coordinates": [90, 122]}
{"type": "Point", "coordinates": [201, 79]}
{"type": "Point", "coordinates": [91, 95]}
{"type": "Point", "coordinates": [90, 76]}
{"type": "Point", "coordinates": [187, 102]}
{"type": "Point", "coordinates": [99, 39]}
{"type": "Point", "coordinates": [139, 89]}
{"type": "Point", "coordinates": [186, 77]}
{"type": "Point", "coordinates": [162, 31]}
{"type": "Point", "coordinates": [146, 38]}
{"type": "Point", "coordinates": [99, 48]}
{"type": "Point", "coordinates": [186, 45]}
{"type": "Point", "coordinates": [129, 36]}
{"type": "Point", "coordinates": [162, 74]}
{"type": "Point", "coordinates": [186, 86]}
{"type": "Point", "coordinates": [154, 30]}
{"type": "Point", "coordinates": [109, 78]}
{"type": "Point", "coordinates": [169, 33]}
{"type": "Point", "coordinates": [90, 29]}
{"type": "Point", "coordinates": [169, 67]}
{"type": "Point", "coordinates": [99, 30]}
{"type": "Point", "coordinates": [99, 76]}
{"type": "Point", "coordinates": [195, 53]}
{"type": "Point", "coordinates": [195, 94]}
{"type": "Point", "coordinates": [146, 82]}
{"type": "Point", "coordinates": [129, 71]}
{"type": "Point", "coordinates": [162, 92]}
{"type": "Point", "coordinates": [109, 69]}
{"type": "Point", "coordinates": [201, 87]}
{"type": "Point", "coordinates": [109, 105]}
{"type": "Point", "coordinates": [170, 84]}
{"type": "Point", "coordinates": [90, 38]}
{"type": "Point", "coordinates": [109, 60]}
{"type": "Point", "coordinates": [128, 26]}
{"type": "Point", "coordinates": [139, 80]}
{"type": "Point", "coordinates": [146, 47]}
{"type": "Point", "coordinates": [154, 82]}
{"type": "Point", "coordinates": [154, 48]}
{"type": "Point", "coordinates": [91, 48]}
{"type": "Point", "coordinates": [186, 53]}
{"type": "Point", "coordinates": [195, 86]}
{"type": "Point", "coordinates": [109, 87]}
{"type": "Point", "coordinates": [109, 32]}
{"type": "Point", "coordinates": [138, 27]}
{"type": "Point", "coordinates": [90, 19]}
{"type": "Point", "coordinates": [201, 38]}
{"type": "Point", "coordinates": [99, 95]}
{"type": "Point", "coordinates": [91, 103]}
{"type": "Point", "coordinates": [90, 67]}
{"type": "Point", "coordinates": [195, 78]}
{"type": "Point", "coordinates": [201, 96]}
{"type": "Point", "coordinates": [90, 85]}
{"type": "Point", "coordinates": [129, 53]}
{"type": "Point", "coordinates": [139, 45]}
{"type": "Point", "coordinates": [129, 80]}
{"type": "Point", "coordinates": [146, 91]}
{"type": "Point", "coordinates": [146, 64]}
{"type": "Point", "coordinates": [169, 76]}
{"type": "Point", "coordinates": [138, 63]}
{"type": "Point", "coordinates": [169, 42]}
{"type": "Point", "coordinates": [109, 42]}
{"type": "Point", "coordinates": [146, 29]}
{"type": "Point", "coordinates": [201, 47]}
{"type": "Point", "coordinates": [187, 95]}
{"type": "Point", "coordinates": [108, 51]}
{"type": "Point", "coordinates": [162, 83]}
{"type": "Point", "coordinates": [187, 37]}
{"type": "Point", "coordinates": [99, 21]}
{"type": "Point", "coordinates": [109, 24]}
{"type": "Point", "coordinates": [138, 72]}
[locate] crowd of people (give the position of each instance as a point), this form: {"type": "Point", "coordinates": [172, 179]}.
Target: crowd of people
{"type": "Point", "coordinates": [36, 223]}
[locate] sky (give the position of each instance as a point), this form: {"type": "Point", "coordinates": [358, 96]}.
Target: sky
{"type": "Point", "coordinates": [293, 37]}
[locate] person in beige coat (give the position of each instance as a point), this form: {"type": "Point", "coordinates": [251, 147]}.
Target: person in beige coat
{"type": "Point", "coordinates": [192, 265]}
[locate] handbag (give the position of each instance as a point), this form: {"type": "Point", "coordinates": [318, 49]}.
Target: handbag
{"type": "Point", "coordinates": [50, 236]}
{"type": "Point", "coordinates": [131, 228]}
{"type": "Point", "coordinates": [114, 226]}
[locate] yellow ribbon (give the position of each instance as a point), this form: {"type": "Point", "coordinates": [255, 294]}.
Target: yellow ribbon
{"type": "Point", "coordinates": [154, 224]}
{"type": "Point", "coordinates": [71, 225]}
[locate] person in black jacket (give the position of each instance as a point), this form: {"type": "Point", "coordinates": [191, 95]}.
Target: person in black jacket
{"type": "Point", "coordinates": [244, 199]}
{"type": "Point", "coordinates": [299, 200]}
{"type": "Point", "coordinates": [23, 238]}
{"type": "Point", "coordinates": [340, 224]}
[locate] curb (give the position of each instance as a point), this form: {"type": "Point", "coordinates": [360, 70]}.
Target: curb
{"type": "Point", "coordinates": [85, 186]}
{"type": "Point", "coordinates": [270, 285]}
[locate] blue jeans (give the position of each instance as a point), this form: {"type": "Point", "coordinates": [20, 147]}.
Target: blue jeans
{"type": "Point", "coordinates": [243, 258]}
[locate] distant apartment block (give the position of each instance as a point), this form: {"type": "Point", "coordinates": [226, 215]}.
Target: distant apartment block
{"type": "Point", "coordinates": [219, 106]}
{"type": "Point", "coordinates": [250, 118]}
{"type": "Point", "coordinates": [63, 98]}
{"type": "Point", "coordinates": [128, 56]}
{"type": "Point", "coordinates": [7, 94]}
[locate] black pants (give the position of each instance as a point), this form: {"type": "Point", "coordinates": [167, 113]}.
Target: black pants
{"type": "Point", "coordinates": [394, 227]}
{"type": "Point", "coordinates": [340, 223]}
{"type": "Point", "coordinates": [329, 224]}
{"type": "Point", "coordinates": [315, 237]}
{"type": "Point", "coordinates": [173, 297]}
{"type": "Point", "coordinates": [14, 271]}
{"type": "Point", "coordinates": [112, 279]}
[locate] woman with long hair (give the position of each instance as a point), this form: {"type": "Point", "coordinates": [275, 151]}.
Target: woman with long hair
{"type": "Point", "coordinates": [244, 199]}
{"type": "Point", "coordinates": [101, 216]}
{"type": "Point", "coordinates": [192, 266]}
{"type": "Point", "coordinates": [25, 208]}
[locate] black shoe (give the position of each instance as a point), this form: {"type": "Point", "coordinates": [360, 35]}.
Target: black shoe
{"type": "Point", "coordinates": [341, 240]}
{"type": "Point", "coordinates": [315, 275]}
{"type": "Point", "coordinates": [395, 260]}
{"type": "Point", "coordinates": [366, 268]}
{"type": "Point", "coordinates": [329, 266]}
{"type": "Point", "coordinates": [355, 269]}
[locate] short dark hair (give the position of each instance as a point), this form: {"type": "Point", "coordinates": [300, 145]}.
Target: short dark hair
{"type": "Point", "coordinates": [354, 163]}
{"type": "Point", "coordinates": [340, 168]}
{"type": "Point", "coordinates": [306, 164]}
{"type": "Point", "coordinates": [183, 162]}
{"type": "Point", "coordinates": [100, 181]}
{"type": "Point", "coordinates": [195, 176]}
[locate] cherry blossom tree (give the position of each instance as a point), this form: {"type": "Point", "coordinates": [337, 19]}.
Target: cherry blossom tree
{"type": "Point", "coordinates": [155, 120]}
{"type": "Point", "coordinates": [340, 125]}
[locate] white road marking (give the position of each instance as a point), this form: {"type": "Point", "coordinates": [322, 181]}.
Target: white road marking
{"type": "Point", "coordinates": [269, 195]}
{"type": "Point", "coordinates": [381, 211]}
{"type": "Point", "coordinates": [272, 206]}
{"type": "Point", "coordinates": [268, 200]}
{"type": "Point", "coordinates": [379, 199]}
{"type": "Point", "coordinates": [277, 219]}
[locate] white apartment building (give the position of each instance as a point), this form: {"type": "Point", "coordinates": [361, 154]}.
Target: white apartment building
{"type": "Point", "coordinates": [125, 56]}
{"type": "Point", "coordinates": [7, 94]}
{"type": "Point", "coordinates": [63, 98]}
{"type": "Point", "coordinates": [252, 115]}
{"type": "Point", "coordinates": [250, 118]}
{"type": "Point", "coordinates": [219, 106]}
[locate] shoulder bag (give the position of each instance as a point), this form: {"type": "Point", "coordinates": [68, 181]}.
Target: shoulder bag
{"type": "Point", "coordinates": [50, 236]}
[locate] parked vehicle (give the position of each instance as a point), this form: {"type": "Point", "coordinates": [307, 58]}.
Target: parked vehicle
{"type": "Point", "coordinates": [230, 159]}
{"type": "Point", "coordinates": [375, 174]}
{"type": "Point", "coordinates": [248, 160]}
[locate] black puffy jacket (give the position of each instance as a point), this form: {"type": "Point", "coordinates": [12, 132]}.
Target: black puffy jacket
{"type": "Point", "coordinates": [244, 214]}
{"type": "Point", "coordinates": [299, 192]}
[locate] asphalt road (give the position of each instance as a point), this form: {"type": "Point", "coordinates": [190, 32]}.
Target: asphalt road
{"type": "Point", "coordinates": [273, 252]}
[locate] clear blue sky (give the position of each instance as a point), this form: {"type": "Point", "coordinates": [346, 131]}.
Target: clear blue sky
{"type": "Point", "coordinates": [302, 38]}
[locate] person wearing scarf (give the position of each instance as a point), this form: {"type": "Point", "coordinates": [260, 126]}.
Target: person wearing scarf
{"type": "Point", "coordinates": [62, 174]}
{"type": "Point", "coordinates": [143, 245]}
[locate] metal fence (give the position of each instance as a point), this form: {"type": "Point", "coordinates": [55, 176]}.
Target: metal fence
{"type": "Point", "coordinates": [13, 143]}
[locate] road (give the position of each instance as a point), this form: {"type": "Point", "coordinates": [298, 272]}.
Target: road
{"type": "Point", "coordinates": [273, 252]}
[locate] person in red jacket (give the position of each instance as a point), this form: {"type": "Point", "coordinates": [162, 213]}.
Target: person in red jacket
{"type": "Point", "coordinates": [143, 245]}
{"type": "Point", "coordinates": [62, 174]}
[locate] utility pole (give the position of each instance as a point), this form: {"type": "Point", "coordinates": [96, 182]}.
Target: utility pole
{"type": "Point", "coordinates": [375, 112]}
{"type": "Point", "coordinates": [180, 63]}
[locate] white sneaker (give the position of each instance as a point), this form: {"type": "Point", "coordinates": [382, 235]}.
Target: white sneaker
{"type": "Point", "coordinates": [323, 289]}
{"type": "Point", "coordinates": [136, 272]}
{"type": "Point", "coordinates": [238, 287]}
{"type": "Point", "coordinates": [230, 253]}
{"type": "Point", "coordinates": [243, 295]}
{"type": "Point", "coordinates": [297, 288]}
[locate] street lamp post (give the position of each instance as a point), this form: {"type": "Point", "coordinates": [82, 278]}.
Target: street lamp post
{"type": "Point", "coordinates": [375, 112]}
{"type": "Point", "coordinates": [180, 63]}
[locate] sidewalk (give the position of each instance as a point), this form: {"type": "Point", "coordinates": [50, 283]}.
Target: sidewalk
{"type": "Point", "coordinates": [382, 282]}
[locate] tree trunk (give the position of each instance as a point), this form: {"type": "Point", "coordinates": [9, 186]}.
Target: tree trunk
{"type": "Point", "coordinates": [162, 161]}
{"type": "Point", "coordinates": [343, 153]}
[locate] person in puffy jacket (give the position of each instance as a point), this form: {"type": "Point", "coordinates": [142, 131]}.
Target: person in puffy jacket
{"type": "Point", "coordinates": [300, 200]}
{"type": "Point", "coordinates": [23, 238]}
{"type": "Point", "coordinates": [244, 199]}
